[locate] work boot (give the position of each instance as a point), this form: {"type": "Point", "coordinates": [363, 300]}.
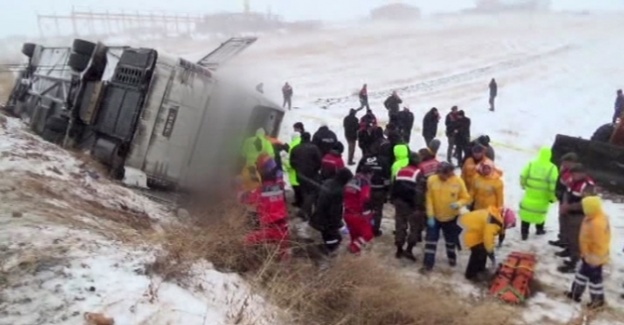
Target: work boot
{"type": "Point", "coordinates": [351, 163]}
{"type": "Point", "coordinates": [452, 263]}
{"type": "Point", "coordinates": [572, 297]}
{"type": "Point", "coordinates": [567, 269]}
{"type": "Point", "coordinates": [596, 304]}
{"type": "Point", "coordinates": [409, 254]}
{"type": "Point", "coordinates": [525, 236]}
{"type": "Point", "coordinates": [563, 253]}
{"type": "Point", "coordinates": [425, 270]}
{"type": "Point", "coordinates": [540, 232]}
{"type": "Point", "coordinates": [557, 243]}
{"type": "Point", "coordinates": [399, 252]}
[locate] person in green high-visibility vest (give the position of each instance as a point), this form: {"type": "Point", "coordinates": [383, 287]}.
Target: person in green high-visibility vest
{"type": "Point", "coordinates": [401, 158]}
{"type": "Point", "coordinates": [254, 146]}
{"type": "Point", "coordinates": [292, 173]}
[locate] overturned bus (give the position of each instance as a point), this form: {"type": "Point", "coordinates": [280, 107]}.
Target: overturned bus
{"type": "Point", "coordinates": [136, 107]}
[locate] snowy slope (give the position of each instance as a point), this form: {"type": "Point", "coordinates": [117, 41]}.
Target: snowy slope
{"type": "Point", "coordinates": [556, 74]}
{"type": "Point", "coordinates": [72, 242]}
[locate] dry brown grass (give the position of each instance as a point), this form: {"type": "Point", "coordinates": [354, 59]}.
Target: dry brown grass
{"type": "Point", "coordinates": [7, 81]}
{"type": "Point", "coordinates": [351, 291]}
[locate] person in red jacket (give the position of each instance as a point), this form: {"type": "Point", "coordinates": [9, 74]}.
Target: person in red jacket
{"type": "Point", "coordinates": [332, 162]}
{"type": "Point", "coordinates": [270, 206]}
{"type": "Point", "coordinates": [358, 210]}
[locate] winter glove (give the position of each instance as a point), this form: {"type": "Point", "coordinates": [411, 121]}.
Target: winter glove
{"type": "Point", "coordinates": [431, 222]}
{"type": "Point", "coordinates": [455, 205]}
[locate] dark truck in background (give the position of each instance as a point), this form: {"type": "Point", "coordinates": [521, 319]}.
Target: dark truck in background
{"type": "Point", "coordinates": [136, 107]}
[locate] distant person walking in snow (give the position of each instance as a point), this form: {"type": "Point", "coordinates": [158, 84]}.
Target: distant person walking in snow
{"type": "Point", "coordinates": [392, 104]}
{"type": "Point", "coordinates": [619, 105]}
{"type": "Point", "coordinates": [451, 131]}
{"type": "Point", "coordinates": [287, 93]}
{"type": "Point", "coordinates": [493, 93]}
{"type": "Point", "coordinates": [430, 125]}
{"type": "Point", "coordinates": [260, 88]}
{"type": "Point", "coordinates": [364, 97]}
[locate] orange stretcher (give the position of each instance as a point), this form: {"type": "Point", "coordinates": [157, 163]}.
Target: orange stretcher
{"type": "Point", "coordinates": [513, 278]}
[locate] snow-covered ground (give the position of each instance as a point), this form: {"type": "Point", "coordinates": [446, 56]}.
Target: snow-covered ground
{"type": "Point", "coordinates": [556, 74]}
{"type": "Point", "coordinates": [72, 242]}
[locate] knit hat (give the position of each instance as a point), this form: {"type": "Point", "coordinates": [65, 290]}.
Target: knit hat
{"type": "Point", "coordinates": [338, 147]}
{"type": "Point", "coordinates": [592, 205]}
{"type": "Point", "coordinates": [414, 159]}
{"type": "Point", "coordinates": [434, 146]}
{"type": "Point", "coordinates": [343, 176]}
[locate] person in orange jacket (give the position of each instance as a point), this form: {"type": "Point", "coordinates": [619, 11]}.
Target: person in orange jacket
{"type": "Point", "coordinates": [469, 168]}
{"type": "Point", "coordinates": [487, 187]}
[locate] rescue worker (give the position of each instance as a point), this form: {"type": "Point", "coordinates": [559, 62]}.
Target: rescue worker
{"type": "Point", "coordinates": [380, 184]}
{"type": "Point", "coordinates": [538, 180]}
{"type": "Point", "coordinates": [428, 162]}
{"type": "Point", "coordinates": [306, 160]}
{"type": "Point", "coordinates": [401, 158]}
{"type": "Point", "coordinates": [332, 162]}
{"type": "Point", "coordinates": [327, 217]}
{"type": "Point", "coordinates": [299, 127]}
{"type": "Point", "coordinates": [483, 140]}
{"type": "Point", "coordinates": [578, 186]}
{"type": "Point", "coordinates": [392, 104]}
{"type": "Point", "coordinates": [271, 208]}
{"type": "Point", "coordinates": [462, 137]}
{"type": "Point", "coordinates": [479, 229]}
{"type": "Point", "coordinates": [430, 125]}
{"type": "Point", "coordinates": [351, 125]}
{"type": "Point", "coordinates": [469, 168]}
{"type": "Point", "coordinates": [363, 95]}
{"type": "Point", "coordinates": [446, 195]}
{"type": "Point", "coordinates": [487, 187]}
{"type": "Point", "coordinates": [324, 139]}
{"type": "Point", "coordinates": [451, 131]}
{"type": "Point", "coordinates": [493, 93]}
{"type": "Point", "coordinates": [406, 123]}
{"type": "Point", "coordinates": [287, 93]}
{"type": "Point", "coordinates": [408, 197]}
{"type": "Point", "coordinates": [357, 210]}
{"type": "Point", "coordinates": [595, 241]}
{"type": "Point", "coordinates": [567, 161]}
{"type": "Point", "coordinates": [256, 145]}
{"type": "Point", "coordinates": [292, 173]}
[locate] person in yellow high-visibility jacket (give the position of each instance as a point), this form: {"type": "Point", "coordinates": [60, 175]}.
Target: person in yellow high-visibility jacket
{"type": "Point", "coordinates": [487, 187]}
{"type": "Point", "coordinates": [292, 173]}
{"type": "Point", "coordinates": [446, 195]}
{"type": "Point", "coordinates": [479, 231]}
{"type": "Point", "coordinates": [256, 145]}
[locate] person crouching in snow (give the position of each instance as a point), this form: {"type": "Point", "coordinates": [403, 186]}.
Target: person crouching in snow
{"type": "Point", "coordinates": [408, 197]}
{"type": "Point", "coordinates": [327, 216]}
{"type": "Point", "coordinates": [332, 162]}
{"type": "Point", "coordinates": [446, 194]}
{"type": "Point", "coordinates": [538, 180]}
{"type": "Point", "coordinates": [487, 187]}
{"type": "Point", "coordinates": [479, 230]}
{"type": "Point", "coordinates": [595, 239]}
{"type": "Point", "coordinates": [358, 210]}
{"type": "Point", "coordinates": [271, 208]}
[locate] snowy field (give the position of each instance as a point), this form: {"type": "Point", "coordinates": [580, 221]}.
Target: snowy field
{"type": "Point", "coordinates": [556, 74]}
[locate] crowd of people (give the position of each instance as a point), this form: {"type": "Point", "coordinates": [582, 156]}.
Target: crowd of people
{"type": "Point", "coordinates": [429, 198]}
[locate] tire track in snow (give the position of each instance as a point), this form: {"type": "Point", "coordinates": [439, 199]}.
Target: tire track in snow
{"type": "Point", "coordinates": [431, 85]}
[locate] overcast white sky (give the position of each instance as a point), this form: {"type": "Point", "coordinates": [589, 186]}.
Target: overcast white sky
{"type": "Point", "coordinates": [19, 18]}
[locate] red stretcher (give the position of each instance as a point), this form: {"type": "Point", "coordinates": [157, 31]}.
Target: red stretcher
{"type": "Point", "coordinates": [513, 278]}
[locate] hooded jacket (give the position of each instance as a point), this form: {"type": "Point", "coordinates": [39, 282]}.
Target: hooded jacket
{"type": "Point", "coordinates": [328, 209]}
{"type": "Point", "coordinates": [410, 186]}
{"type": "Point", "coordinates": [401, 158]}
{"type": "Point", "coordinates": [487, 190]}
{"type": "Point", "coordinates": [539, 180]}
{"type": "Point", "coordinates": [392, 104]}
{"type": "Point", "coordinates": [324, 139]}
{"type": "Point", "coordinates": [254, 146]}
{"type": "Point", "coordinates": [292, 173]}
{"type": "Point", "coordinates": [481, 227]}
{"type": "Point", "coordinates": [595, 235]}
{"type": "Point", "coordinates": [381, 170]}
{"type": "Point", "coordinates": [441, 194]}
{"type": "Point", "coordinates": [306, 160]}
{"type": "Point", "coordinates": [331, 164]}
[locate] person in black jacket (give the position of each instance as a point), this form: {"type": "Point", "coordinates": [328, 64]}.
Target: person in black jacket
{"type": "Point", "coordinates": [406, 123]}
{"type": "Point", "coordinates": [493, 93]}
{"type": "Point", "coordinates": [380, 184]}
{"type": "Point", "coordinates": [306, 160]}
{"type": "Point", "coordinates": [483, 140]}
{"type": "Point", "coordinates": [430, 125]}
{"type": "Point", "coordinates": [462, 136]}
{"type": "Point", "coordinates": [366, 138]}
{"type": "Point", "coordinates": [351, 126]}
{"type": "Point", "coordinates": [408, 197]}
{"type": "Point", "coordinates": [324, 139]}
{"type": "Point", "coordinates": [451, 131]}
{"type": "Point", "coordinates": [327, 217]}
{"type": "Point", "coordinates": [392, 104]}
